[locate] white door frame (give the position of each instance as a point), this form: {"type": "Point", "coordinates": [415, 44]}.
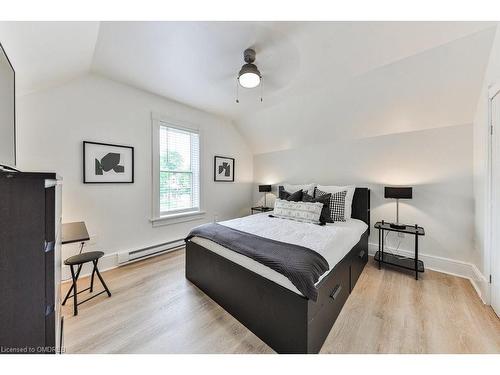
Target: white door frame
{"type": "Point", "coordinates": [493, 91]}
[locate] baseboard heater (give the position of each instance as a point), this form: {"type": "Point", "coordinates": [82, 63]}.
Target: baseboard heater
{"type": "Point", "coordinates": [130, 256]}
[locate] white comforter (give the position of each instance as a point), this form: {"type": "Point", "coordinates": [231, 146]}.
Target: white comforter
{"type": "Point", "coordinates": [332, 241]}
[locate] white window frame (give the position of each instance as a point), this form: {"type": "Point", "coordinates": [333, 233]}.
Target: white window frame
{"type": "Point", "coordinates": [178, 216]}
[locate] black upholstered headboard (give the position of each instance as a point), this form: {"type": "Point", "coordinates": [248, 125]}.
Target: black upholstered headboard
{"type": "Point", "coordinates": [360, 204]}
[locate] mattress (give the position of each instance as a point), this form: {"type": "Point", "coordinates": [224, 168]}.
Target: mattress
{"type": "Point", "coordinates": [332, 241]}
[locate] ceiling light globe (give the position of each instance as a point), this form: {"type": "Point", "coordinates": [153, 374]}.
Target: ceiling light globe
{"type": "Point", "coordinates": [249, 80]}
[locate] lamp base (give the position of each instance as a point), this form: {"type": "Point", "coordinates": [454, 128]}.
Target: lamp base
{"type": "Point", "coordinates": [397, 226]}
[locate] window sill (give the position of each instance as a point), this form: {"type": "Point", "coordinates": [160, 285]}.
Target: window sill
{"type": "Point", "coordinates": [177, 218]}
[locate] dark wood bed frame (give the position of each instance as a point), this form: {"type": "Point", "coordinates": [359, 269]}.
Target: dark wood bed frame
{"type": "Point", "coordinates": [286, 321]}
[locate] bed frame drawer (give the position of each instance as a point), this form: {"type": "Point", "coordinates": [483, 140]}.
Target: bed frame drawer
{"type": "Point", "coordinates": [359, 258]}
{"type": "Point", "coordinates": [323, 313]}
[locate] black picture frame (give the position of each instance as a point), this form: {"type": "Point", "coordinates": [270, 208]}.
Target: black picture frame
{"type": "Point", "coordinates": [215, 168]}
{"type": "Point", "coordinates": [85, 179]}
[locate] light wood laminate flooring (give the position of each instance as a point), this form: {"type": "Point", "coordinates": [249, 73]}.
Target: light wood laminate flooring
{"type": "Point", "coordinates": [154, 309]}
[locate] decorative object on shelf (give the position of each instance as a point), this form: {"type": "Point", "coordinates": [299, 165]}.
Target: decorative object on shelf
{"type": "Point", "coordinates": [383, 257]}
{"type": "Point", "coordinates": [107, 163]}
{"type": "Point", "coordinates": [249, 75]}
{"type": "Point", "coordinates": [223, 169]}
{"type": "Point", "coordinates": [398, 193]}
{"type": "Point", "coordinates": [264, 189]}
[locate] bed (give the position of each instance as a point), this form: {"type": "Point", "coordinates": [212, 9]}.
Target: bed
{"type": "Point", "coordinates": [264, 300]}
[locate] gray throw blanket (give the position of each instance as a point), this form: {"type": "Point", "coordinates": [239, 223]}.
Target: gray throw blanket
{"type": "Point", "coordinates": [302, 266]}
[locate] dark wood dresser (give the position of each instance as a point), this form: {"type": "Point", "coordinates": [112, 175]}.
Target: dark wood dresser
{"type": "Point", "coordinates": [30, 263]}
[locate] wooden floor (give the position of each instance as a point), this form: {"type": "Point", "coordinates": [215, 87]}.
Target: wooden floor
{"type": "Point", "coordinates": [154, 309]}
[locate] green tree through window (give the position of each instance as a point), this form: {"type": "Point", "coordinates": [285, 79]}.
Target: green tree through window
{"type": "Point", "coordinates": [179, 171]}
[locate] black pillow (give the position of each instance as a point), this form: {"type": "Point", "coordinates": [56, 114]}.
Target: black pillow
{"type": "Point", "coordinates": [325, 216]}
{"type": "Point", "coordinates": [295, 197]}
{"type": "Point", "coordinates": [337, 204]}
{"type": "Point", "coordinates": [283, 194]}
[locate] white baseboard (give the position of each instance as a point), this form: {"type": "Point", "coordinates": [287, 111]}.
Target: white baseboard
{"type": "Point", "coordinates": [449, 266]}
{"type": "Point", "coordinates": [481, 284]}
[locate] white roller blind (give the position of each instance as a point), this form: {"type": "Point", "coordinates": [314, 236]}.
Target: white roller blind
{"type": "Point", "coordinates": [179, 170]}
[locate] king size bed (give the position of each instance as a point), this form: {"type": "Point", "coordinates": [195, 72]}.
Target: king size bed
{"type": "Point", "coordinates": [279, 307]}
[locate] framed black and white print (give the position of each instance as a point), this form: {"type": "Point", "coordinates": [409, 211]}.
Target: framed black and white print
{"type": "Point", "coordinates": [223, 169]}
{"type": "Point", "coordinates": [107, 163]}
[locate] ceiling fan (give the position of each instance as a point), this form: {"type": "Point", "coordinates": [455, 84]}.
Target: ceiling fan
{"type": "Point", "coordinates": [249, 75]}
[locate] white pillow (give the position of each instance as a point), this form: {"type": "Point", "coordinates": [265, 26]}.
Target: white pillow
{"type": "Point", "coordinates": [348, 197]}
{"type": "Point", "coordinates": [305, 212]}
{"type": "Point", "coordinates": [309, 188]}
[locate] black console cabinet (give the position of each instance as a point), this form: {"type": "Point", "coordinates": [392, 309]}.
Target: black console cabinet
{"type": "Point", "coordinates": [30, 263]}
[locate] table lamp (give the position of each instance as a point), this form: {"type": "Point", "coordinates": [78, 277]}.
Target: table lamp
{"type": "Point", "coordinates": [398, 193]}
{"type": "Point", "coordinates": [264, 189]}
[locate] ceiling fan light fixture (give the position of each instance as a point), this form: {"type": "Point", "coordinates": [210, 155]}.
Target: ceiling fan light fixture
{"type": "Point", "coordinates": [249, 76]}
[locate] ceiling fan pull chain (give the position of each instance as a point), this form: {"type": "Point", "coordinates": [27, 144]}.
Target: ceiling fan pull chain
{"type": "Point", "coordinates": [261, 88]}
{"type": "Point", "coordinates": [237, 91]}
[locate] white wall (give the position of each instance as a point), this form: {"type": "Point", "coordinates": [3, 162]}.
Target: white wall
{"type": "Point", "coordinates": [52, 125]}
{"type": "Point", "coordinates": [481, 139]}
{"type": "Point", "coordinates": [436, 162]}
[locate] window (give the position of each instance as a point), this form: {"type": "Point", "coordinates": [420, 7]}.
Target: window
{"type": "Point", "coordinates": [176, 175]}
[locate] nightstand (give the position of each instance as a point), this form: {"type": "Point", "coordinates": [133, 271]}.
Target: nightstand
{"type": "Point", "coordinates": [261, 209]}
{"type": "Point", "coordinates": [413, 264]}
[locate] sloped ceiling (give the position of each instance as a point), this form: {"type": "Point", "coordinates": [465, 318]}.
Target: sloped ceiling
{"type": "Point", "coordinates": [321, 79]}
{"type": "Point", "coordinates": [45, 54]}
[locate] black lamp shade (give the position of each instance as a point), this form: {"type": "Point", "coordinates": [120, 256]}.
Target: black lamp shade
{"type": "Point", "coordinates": [264, 188]}
{"type": "Point", "coordinates": [398, 192]}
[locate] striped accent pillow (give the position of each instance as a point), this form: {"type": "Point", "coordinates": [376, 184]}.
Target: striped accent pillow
{"type": "Point", "coordinates": [305, 212]}
{"type": "Point", "coordinates": [337, 204]}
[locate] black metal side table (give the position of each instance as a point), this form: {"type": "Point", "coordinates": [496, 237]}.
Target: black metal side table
{"type": "Point", "coordinates": [413, 264]}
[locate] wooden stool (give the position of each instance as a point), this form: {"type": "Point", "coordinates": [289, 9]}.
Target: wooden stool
{"type": "Point", "coordinates": [79, 260]}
